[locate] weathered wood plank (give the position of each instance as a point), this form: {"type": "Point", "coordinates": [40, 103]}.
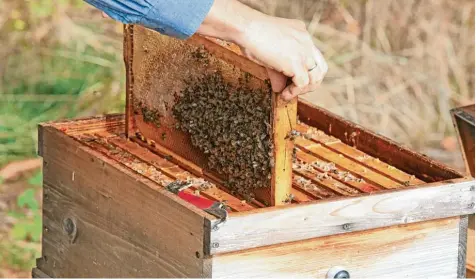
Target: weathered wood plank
{"type": "Point", "coordinates": [463, 120]}
{"type": "Point", "coordinates": [421, 250]}
{"type": "Point", "coordinates": [462, 242]}
{"type": "Point", "coordinates": [336, 216]}
{"type": "Point", "coordinates": [36, 273]}
{"type": "Point", "coordinates": [375, 145]}
{"type": "Point", "coordinates": [470, 250]}
{"type": "Point", "coordinates": [118, 215]}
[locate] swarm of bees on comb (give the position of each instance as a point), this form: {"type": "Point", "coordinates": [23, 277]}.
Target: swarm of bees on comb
{"type": "Point", "coordinates": [232, 126]}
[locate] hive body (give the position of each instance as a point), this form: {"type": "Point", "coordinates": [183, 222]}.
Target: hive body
{"type": "Point", "coordinates": [359, 200]}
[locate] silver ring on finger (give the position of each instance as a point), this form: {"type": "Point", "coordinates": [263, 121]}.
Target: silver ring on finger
{"type": "Point", "coordinates": [315, 66]}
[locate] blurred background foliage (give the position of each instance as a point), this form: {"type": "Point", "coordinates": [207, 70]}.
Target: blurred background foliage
{"type": "Point", "coordinates": [396, 67]}
{"type": "Point", "coordinates": [59, 59]}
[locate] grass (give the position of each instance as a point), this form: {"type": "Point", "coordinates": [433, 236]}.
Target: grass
{"type": "Point", "coordinates": [19, 247]}
{"type": "Point", "coordinates": [60, 87]}
{"type": "Point", "coordinates": [56, 62]}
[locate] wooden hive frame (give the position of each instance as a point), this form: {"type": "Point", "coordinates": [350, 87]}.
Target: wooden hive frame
{"type": "Point", "coordinates": [172, 68]}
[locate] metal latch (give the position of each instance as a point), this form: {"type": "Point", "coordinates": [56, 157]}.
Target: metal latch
{"type": "Point", "coordinates": [215, 208]}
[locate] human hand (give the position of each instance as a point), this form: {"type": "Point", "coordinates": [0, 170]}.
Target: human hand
{"type": "Point", "coordinates": [283, 46]}
{"type": "Point", "coordinates": [286, 48]}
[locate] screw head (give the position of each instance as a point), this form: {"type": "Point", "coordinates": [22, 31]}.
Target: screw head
{"type": "Point", "coordinates": [346, 226]}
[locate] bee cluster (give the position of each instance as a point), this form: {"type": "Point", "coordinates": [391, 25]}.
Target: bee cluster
{"type": "Point", "coordinates": [231, 124]}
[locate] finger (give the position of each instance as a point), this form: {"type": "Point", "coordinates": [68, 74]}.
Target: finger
{"type": "Point", "coordinates": [286, 94]}
{"type": "Point", "coordinates": [310, 62]}
{"type": "Point", "coordinates": [296, 91]}
{"type": "Point", "coordinates": [104, 15]}
{"type": "Point", "coordinates": [300, 75]}
{"type": "Point", "coordinates": [278, 80]}
{"type": "Point", "coordinates": [315, 76]}
{"type": "Point", "coordinates": [321, 63]}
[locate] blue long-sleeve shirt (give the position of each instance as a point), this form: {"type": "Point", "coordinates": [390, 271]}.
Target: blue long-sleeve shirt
{"type": "Point", "coordinates": [176, 18]}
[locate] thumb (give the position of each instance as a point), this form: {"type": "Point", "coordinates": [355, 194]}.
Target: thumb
{"type": "Point", "coordinates": [278, 80]}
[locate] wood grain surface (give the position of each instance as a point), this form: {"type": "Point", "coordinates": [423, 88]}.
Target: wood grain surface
{"type": "Point", "coordinates": [270, 226]}
{"type": "Point", "coordinates": [420, 250]}
{"type": "Point", "coordinates": [124, 224]}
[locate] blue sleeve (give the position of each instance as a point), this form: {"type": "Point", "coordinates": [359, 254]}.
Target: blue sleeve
{"type": "Point", "coordinates": [176, 18]}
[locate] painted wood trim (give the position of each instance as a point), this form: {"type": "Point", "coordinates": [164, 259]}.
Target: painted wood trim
{"type": "Point", "coordinates": [268, 226]}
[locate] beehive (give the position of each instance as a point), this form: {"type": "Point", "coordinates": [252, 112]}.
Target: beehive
{"type": "Point", "coordinates": [361, 205]}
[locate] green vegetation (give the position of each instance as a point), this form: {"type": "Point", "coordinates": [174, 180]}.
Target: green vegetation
{"type": "Point", "coordinates": [57, 62]}
{"type": "Point", "coordinates": [19, 248]}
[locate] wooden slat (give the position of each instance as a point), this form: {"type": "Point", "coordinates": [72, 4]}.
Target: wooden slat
{"type": "Point", "coordinates": [118, 214]}
{"type": "Point", "coordinates": [300, 197]}
{"type": "Point", "coordinates": [360, 185]}
{"type": "Point", "coordinates": [369, 175]}
{"type": "Point", "coordinates": [284, 119]}
{"type": "Point", "coordinates": [316, 219]}
{"type": "Point", "coordinates": [422, 250]}
{"type": "Point", "coordinates": [328, 182]}
{"type": "Point", "coordinates": [312, 188]}
{"type": "Point", "coordinates": [147, 156]}
{"type": "Point", "coordinates": [360, 157]}
{"type": "Point", "coordinates": [149, 163]}
{"type": "Point", "coordinates": [375, 145]}
{"type": "Point", "coordinates": [113, 123]}
{"type": "Point", "coordinates": [187, 165]}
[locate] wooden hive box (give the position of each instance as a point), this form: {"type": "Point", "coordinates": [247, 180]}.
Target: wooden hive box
{"type": "Point", "coordinates": [362, 205]}
{"type": "Point", "coordinates": [463, 120]}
